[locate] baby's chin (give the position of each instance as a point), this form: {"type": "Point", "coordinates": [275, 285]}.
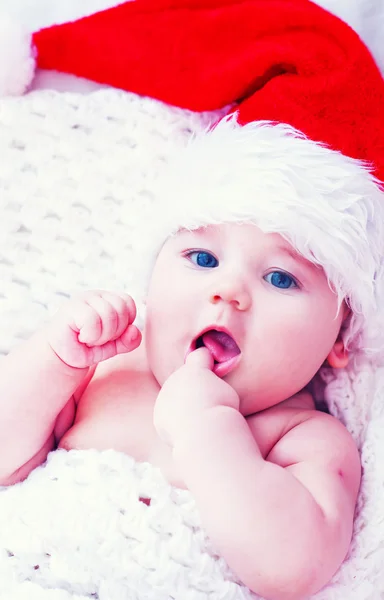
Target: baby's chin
{"type": "Point", "coordinates": [248, 407]}
{"type": "Point", "coordinates": [253, 400]}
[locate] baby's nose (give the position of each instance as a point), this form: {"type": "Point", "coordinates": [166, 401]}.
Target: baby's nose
{"type": "Point", "coordinates": [233, 292]}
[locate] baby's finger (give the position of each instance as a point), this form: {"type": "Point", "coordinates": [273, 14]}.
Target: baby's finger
{"type": "Point", "coordinates": [123, 300]}
{"type": "Point", "coordinates": [99, 353]}
{"type": "Point", "coordinates": [129, 340]}
{"type": "Point", "coordinates": [108, 319]}
{"type": "Point", "coordinates": [125, 310]}
{"type": "Point", "coordinates": [130, 304]}
{"type": "Point", "coordinates": [201, 358]}
{"type": "Point", "coordinates": [86, 322]}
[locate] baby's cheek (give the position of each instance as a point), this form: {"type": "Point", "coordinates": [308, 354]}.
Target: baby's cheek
{"type": "Point", "coordinates": [160, 353]}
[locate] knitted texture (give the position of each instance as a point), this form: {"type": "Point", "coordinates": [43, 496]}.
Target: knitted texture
{"type": "Point", "coordinates": [77, 175]}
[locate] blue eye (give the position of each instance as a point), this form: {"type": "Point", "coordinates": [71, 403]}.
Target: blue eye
{"type": "Point", "coordinates": [281, 280]}
{"type": "Point", "coordinates": [203, 259]}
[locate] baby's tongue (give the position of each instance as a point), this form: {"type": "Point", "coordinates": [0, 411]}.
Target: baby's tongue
{"type": "Point", "coordinates": [221, 345]}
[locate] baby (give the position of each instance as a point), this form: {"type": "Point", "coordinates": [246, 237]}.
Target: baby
{"type": "Point", "coordinates": [261, 274]}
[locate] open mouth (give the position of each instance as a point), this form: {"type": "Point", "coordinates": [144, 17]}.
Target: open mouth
{"type": "Point", "coordinates": [223, 348]}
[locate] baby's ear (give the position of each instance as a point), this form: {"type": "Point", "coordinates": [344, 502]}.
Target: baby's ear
{"type": "Point", "coordinates": [338, 357]}
{"type": "Point", "coordinates": [347, 313]}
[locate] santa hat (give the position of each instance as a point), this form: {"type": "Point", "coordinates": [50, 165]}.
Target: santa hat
{"type": "Point", "coordinates": [287, 62]}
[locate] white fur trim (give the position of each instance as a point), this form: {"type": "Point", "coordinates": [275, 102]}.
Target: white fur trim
{"type": "Point", "coordinates": [16, 58]}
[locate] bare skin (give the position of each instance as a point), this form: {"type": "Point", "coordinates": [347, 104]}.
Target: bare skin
{"type": "Point", "coordinates": [123, 391]}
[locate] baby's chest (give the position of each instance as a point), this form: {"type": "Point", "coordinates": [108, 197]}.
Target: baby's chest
{"type": "Point", "coordinates": [116, 413]}
{"type": "Point", "coordinates": [115, 416]}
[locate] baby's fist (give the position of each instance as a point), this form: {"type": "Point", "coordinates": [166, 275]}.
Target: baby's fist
{"type": "Point", "coordinates": [93, 327]}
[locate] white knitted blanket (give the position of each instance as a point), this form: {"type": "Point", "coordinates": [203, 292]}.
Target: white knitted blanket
{"type": "Point", "coordinates": [76, 173]}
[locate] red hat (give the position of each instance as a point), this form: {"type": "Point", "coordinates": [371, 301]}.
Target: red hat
{"type": "Point", "coordinates": [288, 61]}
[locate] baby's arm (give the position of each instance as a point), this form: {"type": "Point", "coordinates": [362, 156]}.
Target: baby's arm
{"type": "Point", "coordinates": [283, 524]}
{"type": "Point", "coordinates": [38, 377]}
{"type": "Point", "coordinates": [284, 527]}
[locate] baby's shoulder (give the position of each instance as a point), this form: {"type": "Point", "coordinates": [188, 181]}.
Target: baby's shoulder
{"type": "Point", "coordinates": [270, 425]}
{"type": "Point", "coordinates": [294, 432]}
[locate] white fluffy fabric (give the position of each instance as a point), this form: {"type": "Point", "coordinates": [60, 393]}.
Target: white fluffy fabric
{"type": "Point", "coordinates": [77, 174]}
{"type": "Point", "coordinates": [16, 58]}
{"type": "Point", "coordinates": [76, 177]}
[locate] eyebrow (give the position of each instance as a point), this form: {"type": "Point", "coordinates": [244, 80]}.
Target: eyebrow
{"type": "Point", "coordinates": [297, 257]}
{"type": "Point", "coordinates": [200, 231]}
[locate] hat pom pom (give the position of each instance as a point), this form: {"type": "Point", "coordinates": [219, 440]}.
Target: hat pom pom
{"type": "Point", "coordinates": [17, 61]}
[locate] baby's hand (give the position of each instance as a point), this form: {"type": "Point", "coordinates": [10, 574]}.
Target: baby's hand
{"type": "Point", "coordinates": [188, 393]}
{"type": "Point", "coordinates": [96, 326]}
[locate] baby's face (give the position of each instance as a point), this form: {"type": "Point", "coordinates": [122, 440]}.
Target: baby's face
{"type": "Point", "coordinates": [268, 316]}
